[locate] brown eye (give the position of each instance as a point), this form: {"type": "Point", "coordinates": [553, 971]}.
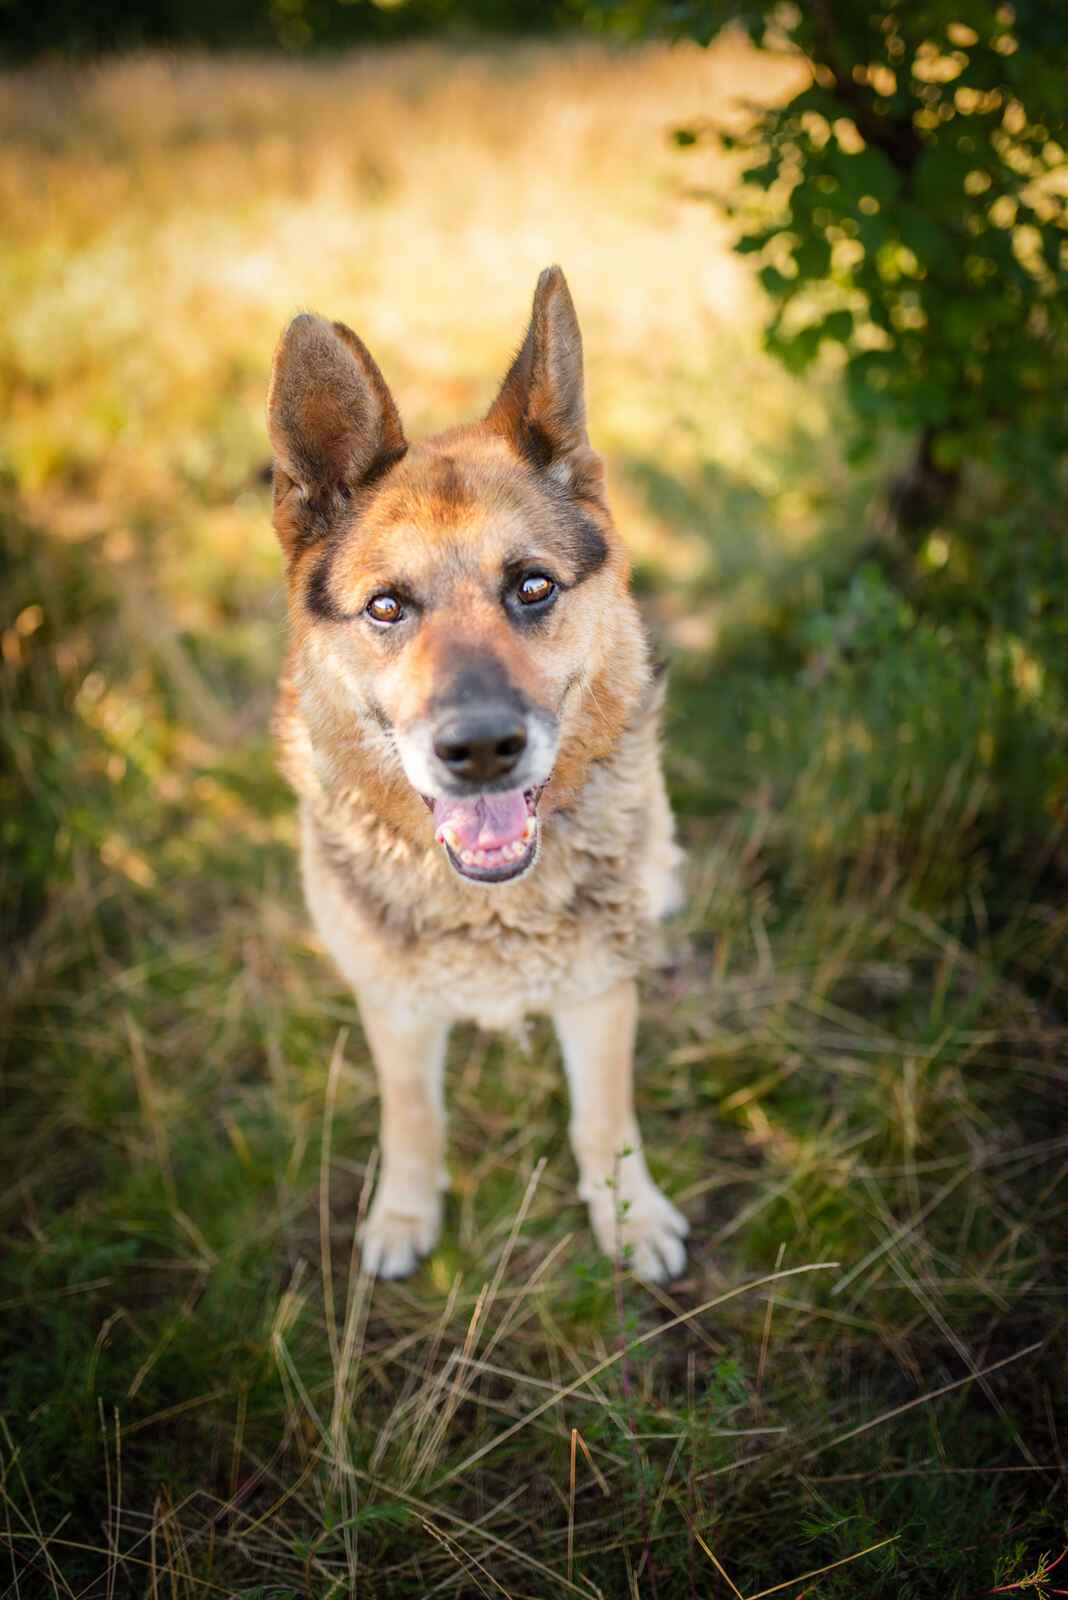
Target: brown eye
{"type": "Point", "coordinates": [535, 588]}
{"type": "Point", "coordinates": [384, 608]}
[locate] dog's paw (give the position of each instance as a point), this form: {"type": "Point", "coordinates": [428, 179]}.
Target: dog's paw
{"type": "Point", "coordinates": [401, 1227]}
{"type": "Point", "coordinates": [638, 1223]}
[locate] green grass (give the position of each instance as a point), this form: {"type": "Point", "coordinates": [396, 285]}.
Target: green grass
{"type": "Point", "coordinates": [853, 1079]}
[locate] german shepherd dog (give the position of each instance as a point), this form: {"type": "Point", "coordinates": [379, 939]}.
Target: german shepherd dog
{"type": "Point", "coordinates": [469, 716]}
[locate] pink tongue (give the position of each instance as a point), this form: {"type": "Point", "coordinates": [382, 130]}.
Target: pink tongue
{"type": "Point", "coordinates": [482, 821]}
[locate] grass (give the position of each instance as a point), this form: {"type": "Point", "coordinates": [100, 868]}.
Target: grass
{"type": "Point", "coordinates": [853, 1080]}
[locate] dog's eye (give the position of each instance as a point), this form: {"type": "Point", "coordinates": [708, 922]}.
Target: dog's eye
{"type": "Point", "coordinates": [384, 608]}
{"type": "Point", "coordinates": [535, 589]}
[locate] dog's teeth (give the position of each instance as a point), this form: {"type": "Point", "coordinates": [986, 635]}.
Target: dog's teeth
{"type": "Point", "coordinates": [500, 856]}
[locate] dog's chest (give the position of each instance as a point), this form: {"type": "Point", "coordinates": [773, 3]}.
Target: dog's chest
{"type": "Point", "coordinates": [399, 920]}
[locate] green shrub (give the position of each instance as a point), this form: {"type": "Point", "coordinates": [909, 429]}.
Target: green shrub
{"type": "Point", "coordinates": [904, 210]}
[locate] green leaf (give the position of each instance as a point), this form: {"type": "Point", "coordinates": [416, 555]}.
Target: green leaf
{"type": "Point", "coordinates": [872, 231]}
{"type": "Point", "coordinates": [764, 174]}
{"type": "Point", "coordinates": [796, 351]}
{"type": "Point", "coordinates": [948, 449]}
{"type": "Point", "coordinates": [933, 244]}
{"type": "Point", "coordinates": [838, 326]}
{"type": "Point", "coordinates": [868, 380]}
{"type": "Point", "coordinates": [750, 243]}
{"type": "Point", "coordinates": [866, 172]}
{"type": "Point", "coordinates": [775, 283]}
{"type": "Point", "coordinates": [938, 182]}
{"type": "Point", "coordinates": [812, 257]}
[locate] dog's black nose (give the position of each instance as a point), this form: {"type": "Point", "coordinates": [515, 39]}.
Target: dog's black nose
{"type": "Point", "coordinates": [481, 746]}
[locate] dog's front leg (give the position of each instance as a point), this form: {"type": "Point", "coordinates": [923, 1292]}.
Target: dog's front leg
{"type": "Point", "coordinates": [405, 1217]}
{"type": "Point", "coordinates": [627, 1210]}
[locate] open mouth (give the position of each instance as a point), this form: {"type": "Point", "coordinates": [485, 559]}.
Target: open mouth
{"type": "Point", "coordinates": [489, 838]}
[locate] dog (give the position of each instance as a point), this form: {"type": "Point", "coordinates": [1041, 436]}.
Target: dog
{"type": "Point", "coordinates": [469, 715]}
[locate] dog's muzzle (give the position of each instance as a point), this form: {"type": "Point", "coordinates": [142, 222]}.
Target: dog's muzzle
{"type": "Point", "coordinates": [481, 764]}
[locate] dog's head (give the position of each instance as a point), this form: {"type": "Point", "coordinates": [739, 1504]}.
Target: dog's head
{"type": "Point", "coordinates": [457, 595]}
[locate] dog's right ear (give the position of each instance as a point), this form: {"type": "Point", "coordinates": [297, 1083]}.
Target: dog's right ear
{"type": "Point", "coordinates": [541, 407]}
{"type": "Point", "coordinates": [332, 422]}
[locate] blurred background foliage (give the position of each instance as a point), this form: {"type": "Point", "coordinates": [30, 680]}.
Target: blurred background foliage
{"type": "Point", "coordinates": [819, 265]}
{"type": "Point", "coordinates": [908, 209]}
{"type": "Point", "coordinates": [288, 25]}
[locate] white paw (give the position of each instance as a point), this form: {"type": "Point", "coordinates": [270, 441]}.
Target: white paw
{"type": "Point", "coordinates": [633, 1220]}
{"type": "Point", "coordinates": [401, 1227]}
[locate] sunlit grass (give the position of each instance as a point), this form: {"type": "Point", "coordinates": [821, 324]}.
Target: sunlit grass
{"type": "Point", "coordinates": [858, 1059]}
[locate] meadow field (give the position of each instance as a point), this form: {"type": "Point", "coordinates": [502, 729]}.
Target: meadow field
{"type": "Point", "coordinates": [852, 1078]}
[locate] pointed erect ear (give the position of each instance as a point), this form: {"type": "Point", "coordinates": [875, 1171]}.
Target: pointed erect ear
{"type": "Point", "coordinates": [542, 405]}
{"type": "Point", "coordinates": [332, 420]}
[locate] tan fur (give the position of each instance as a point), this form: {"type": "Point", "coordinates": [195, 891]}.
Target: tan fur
{"type": "Point", "coordinates": [422, 946]}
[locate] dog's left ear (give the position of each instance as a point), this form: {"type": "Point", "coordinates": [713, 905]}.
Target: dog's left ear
{"type": "Point", "coordinates": [541, 408]}
{"type": "Point", "coordinates": [332, 422]}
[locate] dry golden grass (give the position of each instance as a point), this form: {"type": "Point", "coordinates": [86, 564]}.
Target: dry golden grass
{"type": "Point", "coordinates": [164, 220]}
